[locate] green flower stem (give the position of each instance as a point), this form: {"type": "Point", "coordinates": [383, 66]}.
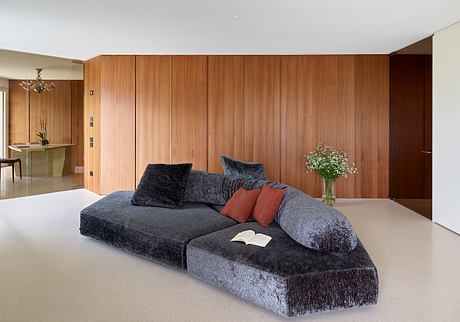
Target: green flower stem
{"type": "Point", "coordinates": [329, 198]}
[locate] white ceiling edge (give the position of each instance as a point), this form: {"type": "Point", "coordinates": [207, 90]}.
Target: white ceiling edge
{"type": "Point", "coordinates": [207, 27]}
{"type": "Point", "coordinates": [21, 65]}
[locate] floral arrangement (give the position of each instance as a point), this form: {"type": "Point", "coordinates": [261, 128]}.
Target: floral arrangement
{"type": "Point", "coordinates": [43, 133]}
{"type": "Point", "coordinates": [330, 164]}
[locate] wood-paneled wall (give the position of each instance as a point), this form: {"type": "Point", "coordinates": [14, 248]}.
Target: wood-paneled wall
{"type": "Point", "coordinates": [18, 123]}
{"type": "Point", "coordinates": [27, 108]}
{"type": "Point", "coordinates": [189, 130]}
{"type": "Point", "coordinates": [410, 126]}
{"type": "Point", "coordinates": [262, 114]}
{"type": "Point", "coordinates": [225, 109]}
{"type": "Point", "coordinates": [153, 111]}
{"type": "Point", "coordinates": [270, 109]}
{"type": "Point", "coordinates": [92, 72]}
{"type": "Point", "coordinates": [372, 126]}
{"type": "Point", "coordinates": [62, 108]}
{"type": "Point", "coordinates": [56, 108]}
{"type": "Point", "coordinates": [117, 123]}
{"type": "Point", "coordinates": [299, 120]}
{"type": "Point", "coordinates": [110, 98]}
{"type": "Point", "coordinates": [77, 92]}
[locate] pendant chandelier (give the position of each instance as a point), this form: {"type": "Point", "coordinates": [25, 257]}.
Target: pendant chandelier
{"type": "Point", "coordinates": [38, 85]}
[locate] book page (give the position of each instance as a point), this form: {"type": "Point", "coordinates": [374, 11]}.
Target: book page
{"type": "Point", "coordinates": [244, 236]}
{"type": "Point", "coordinates": [259, 240]}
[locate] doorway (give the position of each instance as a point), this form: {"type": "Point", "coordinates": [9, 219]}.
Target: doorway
{"type": "Point", "coordinates": [411, 128]}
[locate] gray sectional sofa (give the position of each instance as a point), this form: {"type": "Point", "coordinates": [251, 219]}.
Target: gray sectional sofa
{"type": "Point", "coordinates": [313, 263]}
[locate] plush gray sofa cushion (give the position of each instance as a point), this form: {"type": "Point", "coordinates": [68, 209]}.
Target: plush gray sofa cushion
{"type": "Point", "coordinates": [204, 187]}
{"type": "Point", "coordinates": [158, 234]}
{"type": "Point", "coordinates": [305, 219]}
{"type": "Point", "coordinates": [243, 169]}
{"type": "Point", "coordinates": [283, 277]}
{"type": "Point", "coordinates": [315, 225]}
{"type": "Point", "coordinates": [162, 185]}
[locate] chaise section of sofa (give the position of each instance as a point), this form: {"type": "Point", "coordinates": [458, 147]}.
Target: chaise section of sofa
{"type": "Point", "coordinates": [157, 234]}
{"type": "Point", "coordinates": [284, 277]}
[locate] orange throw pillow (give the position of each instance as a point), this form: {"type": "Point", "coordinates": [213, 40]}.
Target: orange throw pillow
{"type": "Point", "coordinates": [240, 205]}
{"type": "Point", "coordinates": [267, 205]}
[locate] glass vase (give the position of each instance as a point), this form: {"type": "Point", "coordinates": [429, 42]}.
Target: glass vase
{"type": "Point", "coordinates": [328, 191]}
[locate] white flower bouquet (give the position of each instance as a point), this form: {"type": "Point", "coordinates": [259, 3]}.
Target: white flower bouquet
{"type": "Point", "coordinates": [330, 164]}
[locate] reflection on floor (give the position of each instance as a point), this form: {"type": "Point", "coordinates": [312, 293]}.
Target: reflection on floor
{"type": "Point", "coordinates": [29, 186]}
{"type": "Point", "coordinates": [420, 206]}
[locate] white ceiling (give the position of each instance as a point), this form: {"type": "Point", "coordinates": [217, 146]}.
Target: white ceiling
{"type": "Point", "coordinates": [87, 28]}
{"type": "Point", "coordinates": [17, 65]}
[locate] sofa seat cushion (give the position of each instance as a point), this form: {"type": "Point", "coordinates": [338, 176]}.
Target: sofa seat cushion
{"type": "Point", "coordinates": [158, 234]}
{"type": "Point", "coordinates": [284, 277]}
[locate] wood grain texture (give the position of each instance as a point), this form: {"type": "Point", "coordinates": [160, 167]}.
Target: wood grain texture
{"type": "Point", "coordinates": [269, 109]}
{"type": "Point", "coordinates": [299, 114]}
{"type": "Point", "coordinates": [410, 126]}
{"type": "Point", "coordinates": [225, 109]}
{"type": "Point", "coordinates": [153, 111]}
{"type": "Point", "coordinates": [189, 111]}
{"type": "Point", "coordinates": [336, 110]}
{"type": "Point", "coordinates": [77, 93]}
{"type": "Point", "coordinates": [372, 126]}
{"type": "Point", "coordinates": [92, 74]}
{"type": "Point", "coordinates": [117, 124]}
{"type": "Point", "coordinates": [262, 113]}
{"type": "Point", "coordinates": [18, 116]}
{"type": "Point", "coordinates": [56, 108]}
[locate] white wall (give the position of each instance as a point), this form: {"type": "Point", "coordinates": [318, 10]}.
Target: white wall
{"type": "Point", "coordinates": [446, 128]}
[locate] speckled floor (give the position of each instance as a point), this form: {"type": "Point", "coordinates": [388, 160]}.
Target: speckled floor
{"type": "Point", "coordinates": [48, 272]}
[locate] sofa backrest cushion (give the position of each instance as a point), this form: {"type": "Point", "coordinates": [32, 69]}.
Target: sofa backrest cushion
{"type": "Point", "coordinates": [205, 187]}
{"type": "Point", "coordinates": [244, 169]}
{"type": "Point", "coordinates": [303, 218]}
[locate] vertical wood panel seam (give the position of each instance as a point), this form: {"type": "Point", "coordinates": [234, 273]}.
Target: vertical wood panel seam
{"type": "Point", "coordinates": [207, 111]}
{"type": "Point", "coordinates": [171, 61]}
{"type": "Point", "coordinates": [244, 108]}
{"type": "Point", "coordinates": [135, 120]}
{"type": "Point", "coordinates": [280, 118]}
{"type": "Point", "coordinates": [355, 61]}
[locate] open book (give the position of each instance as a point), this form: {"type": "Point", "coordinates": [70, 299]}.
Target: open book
{"type": "Point", "coordinates": [249, 237]}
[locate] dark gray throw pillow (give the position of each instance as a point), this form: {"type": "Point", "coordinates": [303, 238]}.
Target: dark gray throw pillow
{"type": "Point", "coordinates": [162, 185]}
{"type": "Point", "coordinates": [243, 169]}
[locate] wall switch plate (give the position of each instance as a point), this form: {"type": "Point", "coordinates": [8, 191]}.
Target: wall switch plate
{"type": "Point", "coordinates": [91, 142]}
{"type": "Point", "coordinates": [90, 173]}
{"type": "Point", "coordinates": [91, 121]}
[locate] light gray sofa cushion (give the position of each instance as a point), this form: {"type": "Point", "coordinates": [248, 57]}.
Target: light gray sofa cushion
{"type": "Point", "coordinates": [315, 225]}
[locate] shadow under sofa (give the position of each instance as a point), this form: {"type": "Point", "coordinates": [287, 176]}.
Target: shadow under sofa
{"type": "Point", "coordinates": [284, 277]}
